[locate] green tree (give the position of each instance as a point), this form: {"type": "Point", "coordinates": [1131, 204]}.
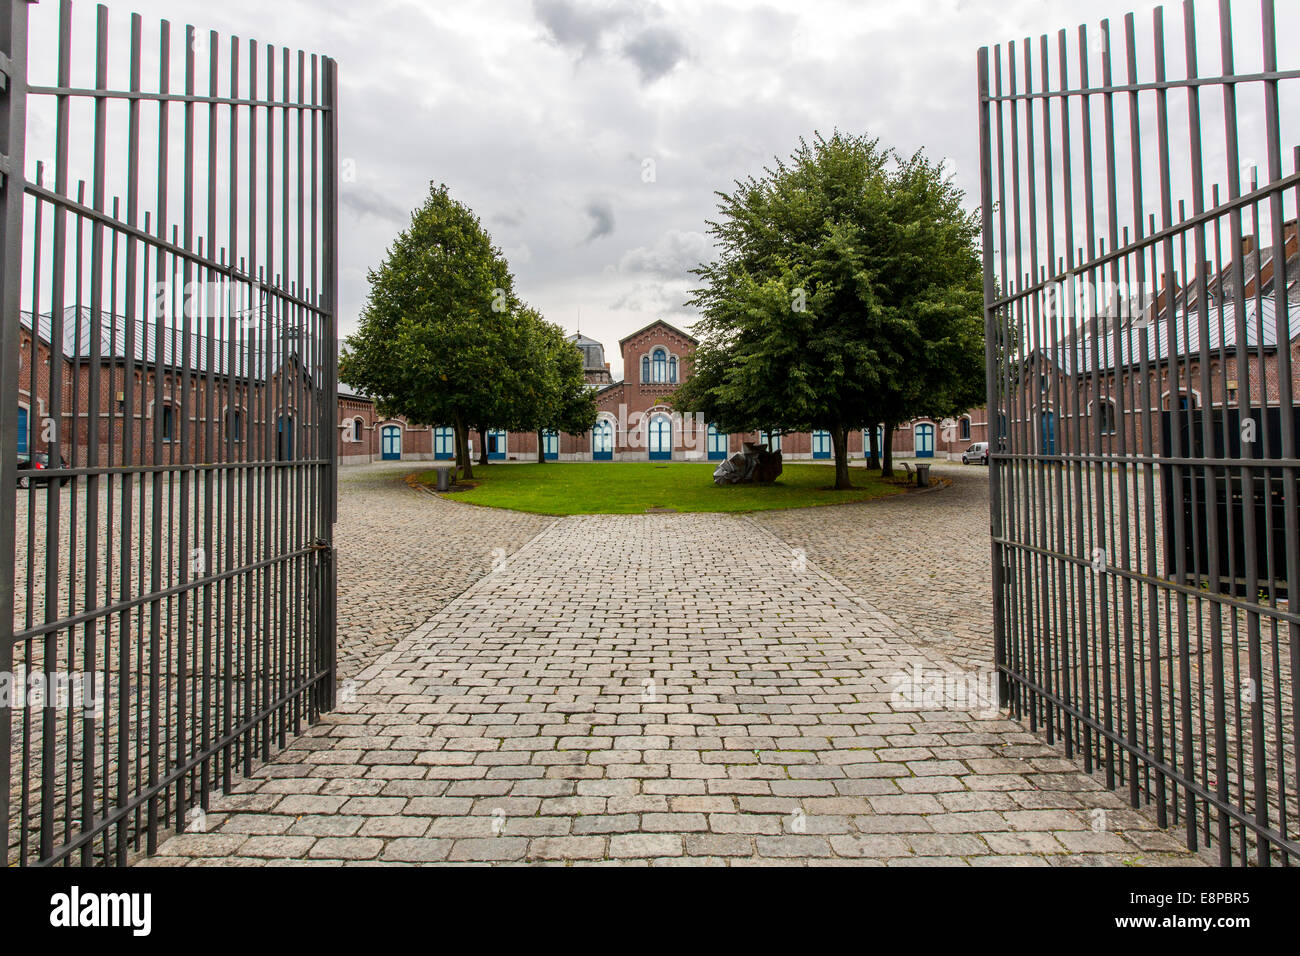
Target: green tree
{"type": "Point", "coordinates": [439, 324]}
{"type": "Point", "coordinates": [840, 298]}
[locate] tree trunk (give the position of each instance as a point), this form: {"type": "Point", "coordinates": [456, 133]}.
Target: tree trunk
{"type": "Point", "coordinates": [541, 448]}
{"type": "Point", "coordinates": [463, 462]}
{"type": "Point", "coordinates": [873, 449]}
{"type": "Point", "coordinates": [887, 453]}
{"type": "Point", "coordinates": [482, 446]}
{"type": "Point", "coordinates": [840, 441]}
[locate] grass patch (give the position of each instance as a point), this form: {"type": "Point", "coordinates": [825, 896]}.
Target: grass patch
{"type": "Point", "coordinates": [635, 487]}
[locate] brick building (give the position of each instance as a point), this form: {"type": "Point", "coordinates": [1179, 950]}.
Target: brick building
{"type": "Point", "coordinates": [242, 403]}
{"type": "Point", "coordinates": [637, 423]}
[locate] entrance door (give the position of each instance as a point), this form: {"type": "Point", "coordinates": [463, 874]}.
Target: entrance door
{"type": "Point", "coordinates": [391, 443]}
{"type": "Point", "coordinates": [717, 443]}
{"type": "Point", "coordinates": [821, 444]}
{"type": "Point", "coordinates": [444, 443]}
{"type": "Point", "coordinates": [1047, 423]}
{"type": "Point", "coordinates": [925, 440]}
{"type": "Point", "coordinates": [602, 441]}
{"type": "Point", "coordinates": [551, 445]}
{"type": "Point", "coordinates": [496, 445]}
{"type": "Point", "coordinates": [661, 438]}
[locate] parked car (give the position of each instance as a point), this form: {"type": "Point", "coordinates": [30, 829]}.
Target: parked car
{"type": "Point", "coordinates": [37, 461]}
{"type": "Point", "coordinates": [978, 453]}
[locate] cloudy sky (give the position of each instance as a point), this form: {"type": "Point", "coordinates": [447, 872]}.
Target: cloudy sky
{"type": "Point", "coordinates": [591, 135]}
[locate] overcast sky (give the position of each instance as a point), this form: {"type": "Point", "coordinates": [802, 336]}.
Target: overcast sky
{"type": "Point", "coordinates": [590, 135]}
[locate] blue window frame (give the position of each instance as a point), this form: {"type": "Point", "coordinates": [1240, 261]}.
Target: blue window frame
{"type": "Point", "coordinates": [391, 443]}
{"type": "Point", "coordinates": [659, 361]}
{"type": "Point", "coordinates": [24, 425]}
{"type": "Point", "coordinates": [771, 439]}
{"type": "Point", "coordinates": [661, 438]}
{"type": "Point", "coordinates": [444, 443]}
{"type": "Point", "coordinates": [168, 423]}
{"type": "Point", "coordinates": [717, 443]}
{"type": "Point", "coordinates": [645, 368]}
{"type": "Point", "coordinates": [880, 441]}
{"type": "Point", "coordinates": [672, 369]}
{"type": "Point", "coordinates": [550, 445]}
{"type": "Point", "coordinates": [821, 444]}
{"type": "Point", "coordinates": [284, 438]}
{"type": "Point", "coordinates": [496, 440]}
{"type": "Point", "coordinates": [963, 428]}
{"type": "Point", "coordinates": [924, 440]}
{"type": "Point", "coordinates": [602, 441]}
{"type": "Point", "coordinates": [235, 423]}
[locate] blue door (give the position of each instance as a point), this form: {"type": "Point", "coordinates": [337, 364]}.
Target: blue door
{"type": "Point", "coordinates": [444, 443]}
{"type": "Point", "coordinates": [391, 443]}
{"type": "Point", "coordinates": [925, 441]}
{"type": "Point", "coordinates": [1047, 422]}
{"type": "Point", "coordinates": [661, 438]}
{"type": "Point", "coordinates": [717, 443]}
{"type": "Point", "coordinates": [771, 439]}
{"type": "Point", "coordinates": [550, 445]}
{"type": "Point", "coordinates": [496, 440]}
{"type": "Point", "coordinates": [283, 438]}
{"type": "Point", "coordinates": [602, 441]}
{"type": "Point", "coordinates": [821, 445]}
{"type": "Point", "coordinates": [23, 416]}
{"type": "Point", "coordinates": [880, 441]}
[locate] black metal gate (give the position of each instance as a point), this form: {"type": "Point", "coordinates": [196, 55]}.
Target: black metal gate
{"type": "Point", "coordinates": [167, 402]}
{"type": "Point", "coordinates": [1140, 280]}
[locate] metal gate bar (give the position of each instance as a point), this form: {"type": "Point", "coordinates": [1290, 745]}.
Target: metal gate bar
{"type": "Point", "coordinates": [168, 360]}
{"type": "Point", "coordinates": [1144, 496]}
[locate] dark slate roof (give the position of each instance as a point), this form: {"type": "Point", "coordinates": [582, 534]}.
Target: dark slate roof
{"type": "Point", "coordinates": [252, 357]}
{"type": "Point", "coordinates": [1151, 339]}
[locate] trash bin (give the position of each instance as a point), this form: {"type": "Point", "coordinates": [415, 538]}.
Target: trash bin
{"type": "Point", "coordinates": [444, 477]}
{"type": "Point", "coordinates": [922, 476]}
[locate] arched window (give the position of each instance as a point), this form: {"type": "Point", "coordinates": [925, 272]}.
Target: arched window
{"type": "Point", "coordinates": [358, 429]}
{"type": "Point", "coordinates": [168, 423]}
{"type": "Point", "coordinates": [963, 427]}
{"type": "Point", "coordinates": [235, 424]}
{"type": "Point", "coordinates": [672, 369]}
{"type": "Point", "coordinates": [645, 368]}
{"type": "Point", "coordinates": [1106, 417]}
{"type": "Point", "coordinates": [659, 359]}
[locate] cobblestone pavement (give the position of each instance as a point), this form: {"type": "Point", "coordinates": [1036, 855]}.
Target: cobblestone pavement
{"type": "Point", "coordinates": [662, 689]}
{"type": "Point", "coordinates": [403, 553]}
{"type": "Point", "coordinates": [928, 566]}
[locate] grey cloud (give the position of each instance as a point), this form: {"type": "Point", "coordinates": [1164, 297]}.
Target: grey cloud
{"type": "Point", "coordinates": [576, 26]}
{"type": "Point", "coordinates": [672, 255]}
{"type": "Point", "coordinates": [655, 51]}
{"type": "Point", "coordinates": [365, 201]}
{"type": "Point", "coordinates": [583, 29]}
{"type": "Point", "coordinates": [602, 219]}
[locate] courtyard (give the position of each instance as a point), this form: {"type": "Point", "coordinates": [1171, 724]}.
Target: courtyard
{"type": "Point", "coordinates": [665, 688]}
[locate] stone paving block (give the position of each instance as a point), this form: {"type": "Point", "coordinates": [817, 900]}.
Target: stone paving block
{"type": "Point", "coordinates": [513, 699]}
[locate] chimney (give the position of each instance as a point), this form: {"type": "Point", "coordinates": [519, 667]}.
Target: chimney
{"type": "Point", "coordinates": [1247, 245]}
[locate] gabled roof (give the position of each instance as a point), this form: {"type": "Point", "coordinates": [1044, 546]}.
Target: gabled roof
{"type": "Point", "coordinates": [671, 328]}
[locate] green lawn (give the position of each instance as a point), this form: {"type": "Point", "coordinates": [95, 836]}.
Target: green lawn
{"type": "Point", "coordinates": [567, 488]}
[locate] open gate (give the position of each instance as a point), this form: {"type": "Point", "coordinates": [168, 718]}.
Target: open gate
{"type": "Point", "coordinates": [1140, 289]}
{"type": "Point", "coordinates": [167, 572]}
